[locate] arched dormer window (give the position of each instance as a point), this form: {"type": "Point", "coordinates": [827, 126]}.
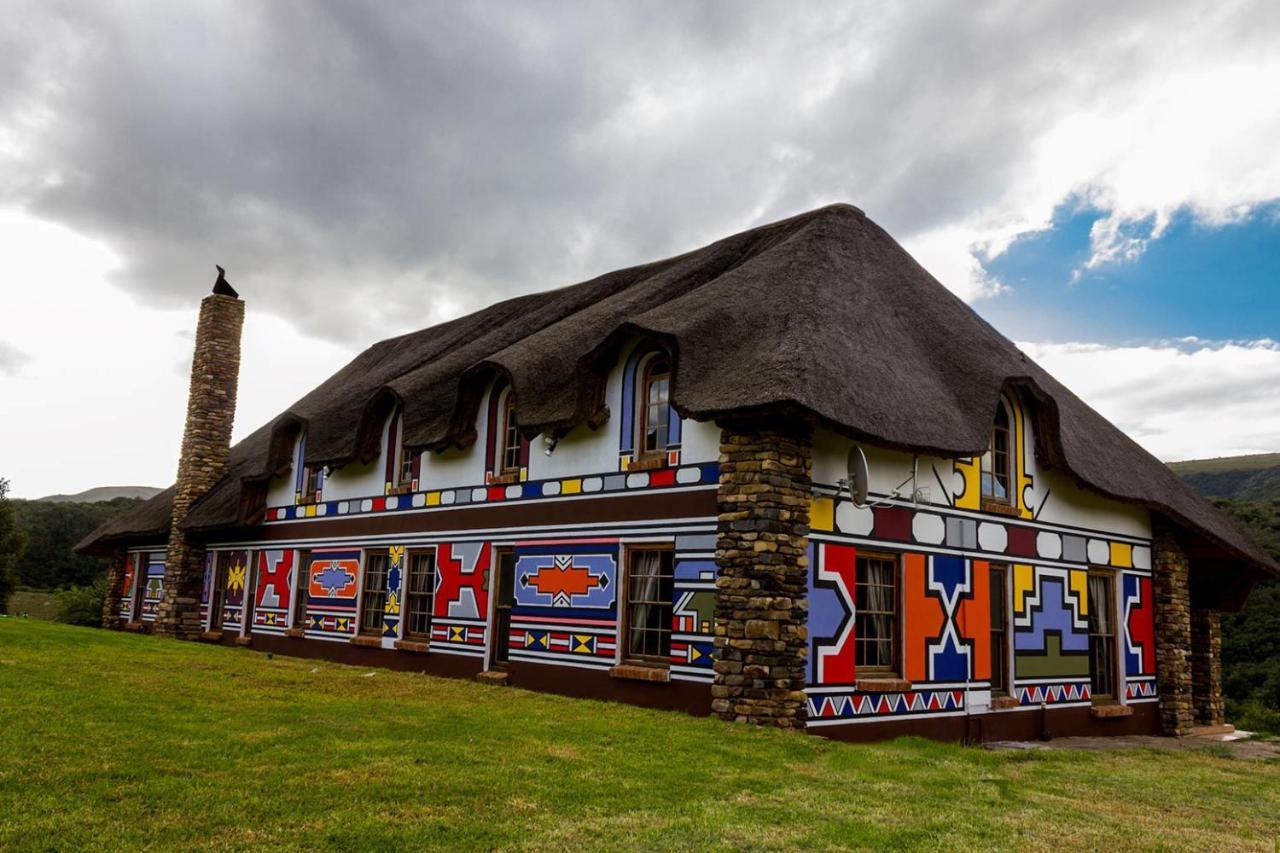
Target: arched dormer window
{"type": "Point", "coordinates": [310, 478]}
{"type": "Point", "coordinates": [655, 406]}
{"type": "Point", "coordinates": [402, 463]}
{"type": "Point", "coordinates": [507, 457]}
{"type": "Point", "coordinates": [650, 426]}
{"type": "Point", "coordinates": [997, 462]}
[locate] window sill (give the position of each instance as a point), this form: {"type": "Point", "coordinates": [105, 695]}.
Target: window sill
{"type": "Point", "coordinates": [999, 508]}
{"type": "Point", "coordinates": [367, 641]}
{"type": "Point", "coordinates": [297, 633]}
{"type": "Point", "coordinates": [307, 502]}
{"type": "Point", "coordinates": [131, 626]}
{"type": "Point", "coordinates": [400, 490]}
{"type": "Point", "coordinates": [244, 641]}
{"type": "Point", "coordinates": [211, 636]}
{"type": "Point", "coordinates": [648, 463]}
{"type": "Point", "coordinates": [504, 479]}
{"type": "Point", "coordinates": [887, 684]}
{"type": "Point", "coordinates": [1004, 703]}
{"type": "Point", "coordinates": [640, 672]}
{"type": "Point", "coordinates": [416, 647]}
{"type": "Point", "coordinates": [1109, 709]}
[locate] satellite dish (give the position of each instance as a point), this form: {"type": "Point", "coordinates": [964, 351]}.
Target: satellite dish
{"type": "Point", "coordinates": [859, 476]}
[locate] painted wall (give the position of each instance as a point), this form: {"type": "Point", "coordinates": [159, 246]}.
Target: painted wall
{"type": "Point", "coordinates": [945, 545]}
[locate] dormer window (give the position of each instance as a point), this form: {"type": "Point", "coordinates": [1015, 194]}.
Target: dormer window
{"type": "Point", "coordinates": [311, 480]}
{"type": "Point", "coordinates": [508, 454]}
{"type": "Point", "coordinates": [654, 406]}
{"type": "Point", "coordinates": [402, 462]}
{"type": "Point", "coordinates": [407, 459]}
{"type": "Point", "coordinates": [997, 474]}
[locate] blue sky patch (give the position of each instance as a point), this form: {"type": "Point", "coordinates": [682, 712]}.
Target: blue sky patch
{"type": "Point", "coordinates": [1212, 282]}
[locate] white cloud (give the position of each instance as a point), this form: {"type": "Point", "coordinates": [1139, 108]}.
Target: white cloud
{"type": "Point", "coordinates": [1186, 399]}
{"type": "Point", "coordinates": [102, 397]}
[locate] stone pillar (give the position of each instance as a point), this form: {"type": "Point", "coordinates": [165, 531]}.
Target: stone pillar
{"type": "Point", "coordinates": [1172, 594]}
{"type": "Point", "coordinates": [206, 449]}
{"type": "Point", "coordinates": [762, 601]}
{"type": "Point", "coordinates": [115, 580]}
{"type": "Point", "coordinates": [1206, 667]}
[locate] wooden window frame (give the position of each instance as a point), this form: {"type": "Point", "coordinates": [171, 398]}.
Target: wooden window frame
{"type": "Point", "coordinates": [310, 484]}
{"type": "Point", "coordinates": [218, 589]}
{"type": "Point", "coordinates": [624, 612]}
{"type": "Point", "coordinates": [645, 454]}
{"type": "Point", "coordinates": [508, 428]}
{"type": "Point", "coordinates": [369, 557]}
{"type": "Point", "coordinates": [1116, 691]}
{"type": "Point", "coordinates": [989, 499]}
{"type": "Point", "coordinates": [894, 669]}
{"type": "Point", "coordinates": [495, 604]}
{"type": "Point", "coordinates": [140, 585]}
{"type": "Point", "coordinates": [250, 593]}
{"type": "Point", "coordinates": [1003, 648]}
{"type": "Point", "coordinates": [406, 604]}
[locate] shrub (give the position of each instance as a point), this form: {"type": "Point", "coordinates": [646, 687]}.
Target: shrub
{"type": "Point", "coordinates": [82, 605]}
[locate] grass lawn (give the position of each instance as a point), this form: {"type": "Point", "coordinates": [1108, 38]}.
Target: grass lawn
{"type": "Point", "coordinates": [112, 740]}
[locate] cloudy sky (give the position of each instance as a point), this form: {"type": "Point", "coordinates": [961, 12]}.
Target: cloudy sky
{"type": "Point", "coordinates": [1100, 180]}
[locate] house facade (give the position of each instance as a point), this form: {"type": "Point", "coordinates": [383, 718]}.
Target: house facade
{"type": "Point", "coordinates": [640, 488]}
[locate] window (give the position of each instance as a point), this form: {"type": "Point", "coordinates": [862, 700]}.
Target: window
{"type": "Point", "coordinates": [876, 626]}
{"type": "Point", "coordinates": [218, 594]}
{"type": "Point", "coordinates": [373, 603]}
{"type": "Point", "coordinates": [508, 436]}
{"type": "Point", "coordinates": [302, 590]}
{"type": "Point", "coordinates": [649, 604]}
{"type": "Point", "coordinates": [250, 588]}
{"type": "Point", "coordinates": [406, 467]}
{"type": "Point", "coordinates": [999, 630]}
{"type": "Point", "coordinates": [311, 481]}
{"type": "Point", "coordinates": [421, 586]}
{"type": "Point", "coordinates": [508, 451]}
{"type": "Point", "coordinates": [996, 476]}
{"type": "Point", "coordinates": [655, 411]}
{"type": "Point", "coordinates": [503, 602]}
{"type": "Point", "coordinates": [1102, 636]}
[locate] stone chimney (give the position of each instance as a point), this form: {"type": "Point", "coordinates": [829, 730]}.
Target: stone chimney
{"type": "Point", "coordinates": [206, 448]}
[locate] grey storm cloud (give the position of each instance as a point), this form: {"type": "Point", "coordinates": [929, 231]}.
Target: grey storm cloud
{"type": "Point", "coordinates": [365, 168]}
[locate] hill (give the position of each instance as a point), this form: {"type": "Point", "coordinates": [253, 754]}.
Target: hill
{"type": "Point", "coordinates": [1253, 478]}
{"type": "Point", "coordinates": [99, 494]}
{"type": "Point", "coordinates": [127, 741]}
{"type": "Point", "coordinates": [52, 528]}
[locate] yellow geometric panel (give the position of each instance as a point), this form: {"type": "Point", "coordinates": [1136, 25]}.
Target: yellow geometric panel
{"type": "Point", "coordinates": [822, 514]}
{"type": "Point", "coordinates": [1024, 582]}
{"type": "Point", "coordinates": [1080, 589]}
{"type": "Point", "coordinates": [1122, 555]}
{"type": "Point", "coordinates": [971, 471]}
{"type": "Point", "coordinates": [570, 487]}
{"type": "Point", "coordinates": [433, 499]}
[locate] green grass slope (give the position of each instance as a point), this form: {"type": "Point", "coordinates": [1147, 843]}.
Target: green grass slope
{"type": "Point", "coordinates": [1255, 478]}
{"type": "Point", "coordinates": [111, 740]}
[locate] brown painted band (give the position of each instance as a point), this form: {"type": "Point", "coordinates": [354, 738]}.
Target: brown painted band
{"type": "Point", "coordinates": [672, 505]}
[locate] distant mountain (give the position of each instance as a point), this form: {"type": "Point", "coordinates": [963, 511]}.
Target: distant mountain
{"type": "Point", "coordinates": [1254, 478]}
{"type": "Point", "coordinates": [104, 493]}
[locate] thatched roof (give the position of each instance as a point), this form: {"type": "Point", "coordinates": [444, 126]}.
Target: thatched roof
{"type": "Point", "coordinates": [822, 316]}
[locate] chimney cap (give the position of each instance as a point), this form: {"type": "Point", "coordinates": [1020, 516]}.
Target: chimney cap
{"type": "Point", "coordinates": [222, 287]}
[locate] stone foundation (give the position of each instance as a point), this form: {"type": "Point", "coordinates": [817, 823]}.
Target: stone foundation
{"type": "Point", "coordinates": [762, 589]}
{"type": "Point", "coordinates": [1206, 667]}
{"type": "Point", "coordinates": [206, 448]}
{"type": "Point", "coordinates": [1172, 594]}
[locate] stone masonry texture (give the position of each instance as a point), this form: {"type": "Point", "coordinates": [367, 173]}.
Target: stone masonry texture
{"type": "Point", "coordinates": [761, 592]}
{"type": "Point", "coordinates": [206, 448]}
{"type": "Point", "coordinates": [115, 580]}
{"type": "Point", "coordinates": [1172, 593]}
{"type": "Point", "coordinates": [1206, 667]}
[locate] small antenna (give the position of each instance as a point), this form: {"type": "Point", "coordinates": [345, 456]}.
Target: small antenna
{"type": "Point", "coordinates": [859, 482]}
